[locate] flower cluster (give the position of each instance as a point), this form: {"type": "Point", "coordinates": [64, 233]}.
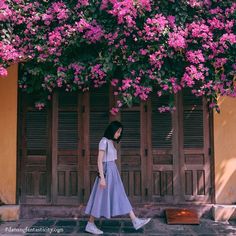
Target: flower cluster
{"type": "Point", "coordinates": [139, 47]}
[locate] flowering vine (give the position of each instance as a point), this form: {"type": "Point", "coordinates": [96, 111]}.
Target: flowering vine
{"type": "Point", "coordinates": [140, 47]}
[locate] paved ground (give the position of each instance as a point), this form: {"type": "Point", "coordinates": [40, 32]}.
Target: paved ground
{"type": "Point", "coordinates": [115, 227]}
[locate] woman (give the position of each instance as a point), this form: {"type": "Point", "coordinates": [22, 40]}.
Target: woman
{"type": "Point", "coordinates": [108, 197]}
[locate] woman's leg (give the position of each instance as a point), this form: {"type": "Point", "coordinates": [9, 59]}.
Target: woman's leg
{"type": "Point", "coordinates": [91, 219]}
{"type": "Point", "coordinates": [132, 215]}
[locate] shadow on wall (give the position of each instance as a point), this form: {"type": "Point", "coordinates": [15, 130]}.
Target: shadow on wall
{"type": "Point", "coordinates": [225, 157]}
{"type": "Point", "coordinates": [225, 151]}
{"type": "Point", "coordinates": [225, 177]}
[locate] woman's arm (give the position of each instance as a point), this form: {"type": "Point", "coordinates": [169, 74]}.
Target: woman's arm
{"type": "Point", "coordinates": [100, 168]}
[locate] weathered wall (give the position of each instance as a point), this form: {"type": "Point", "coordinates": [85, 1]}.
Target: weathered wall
{"type": "Point", "coordinates": [8, 135]}
{"type": "Point", "coordinates": [225, 151]}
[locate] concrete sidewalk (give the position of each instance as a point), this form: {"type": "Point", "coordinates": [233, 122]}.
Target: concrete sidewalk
{"type": "Point", "coordinates": [115, 227]}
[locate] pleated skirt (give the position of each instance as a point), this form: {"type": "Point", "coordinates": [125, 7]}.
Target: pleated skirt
{"type": "Point", "coordinates": [111, 200]}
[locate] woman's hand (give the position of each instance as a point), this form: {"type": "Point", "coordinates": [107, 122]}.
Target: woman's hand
{"type": "Point", "coordinates": [102, 183]}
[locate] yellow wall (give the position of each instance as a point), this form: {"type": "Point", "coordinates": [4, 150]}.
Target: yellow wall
{"type": "Point", "coordinates": [225, 151]}
{"type": "Point", "coordinates": [8, 135]}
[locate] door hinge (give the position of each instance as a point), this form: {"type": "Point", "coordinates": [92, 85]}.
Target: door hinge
{"type": "Point", "coordinates": [83, 152]}
{"type": "Point", "coordinates": [146, 191]}
{"type": "Point", "coordinates": [19, 192]}
{"type": "Point", "coordinates": [146, 152]}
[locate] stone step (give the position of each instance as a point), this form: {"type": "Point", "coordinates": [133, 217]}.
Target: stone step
{"type": "Point", "coordinates": [77, 211]}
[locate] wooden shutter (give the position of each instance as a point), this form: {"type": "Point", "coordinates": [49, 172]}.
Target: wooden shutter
{"type": "Point", "coordinates": [35, 155]}
{"type": "Point", "coordinates": [131, 154]}
{"type": "Point", "coordinates": [161, 158]}
{"type": "Point", "coordinates": [36, 131]}
{"type": "Point", "coordinates": [98, 121]}
{"type": "Point", "coordinates": [193, 121]}
{"type": "Point", "coordinates": [67, 133]}
{"type": "Point", "coordinates": [195, 160]}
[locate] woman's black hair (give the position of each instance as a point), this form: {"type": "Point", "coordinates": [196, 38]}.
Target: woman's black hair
{"type": "Point", "coordinates": [111, 130]}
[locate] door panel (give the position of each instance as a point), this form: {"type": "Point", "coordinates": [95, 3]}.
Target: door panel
{"type": "Point", "coordinates": [35, 155]}
{"type": "Point", "coordinates": [162, 158]}
{"type": "Point", "coordinates": [98, 119]}
{"type": "Point", "coordinates": [67, 161]}
{"type": "Point", "coordinates": [195, 160]}
{"type": "Point", "coordinates": [131, 157]}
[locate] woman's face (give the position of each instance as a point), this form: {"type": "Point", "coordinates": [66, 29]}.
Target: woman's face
{"type": "Point", "coordinates": [117, 133]}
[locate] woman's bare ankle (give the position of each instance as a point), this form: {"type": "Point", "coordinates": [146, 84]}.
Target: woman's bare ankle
{"type": "Point", "coordinates": [91, 219]}
{"type": "Point", "coordinates": [132, 215]}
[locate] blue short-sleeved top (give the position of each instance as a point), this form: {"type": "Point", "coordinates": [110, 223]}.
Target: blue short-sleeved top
{"type": "Point", "coordinates": [112, 152]}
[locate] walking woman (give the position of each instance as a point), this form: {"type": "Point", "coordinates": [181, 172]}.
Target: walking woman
{"type": "Point", "coordinates": [108, 197]}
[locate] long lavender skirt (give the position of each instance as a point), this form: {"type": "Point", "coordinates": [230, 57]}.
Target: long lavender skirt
{"type": "Point", "coordinates": [109, 201]}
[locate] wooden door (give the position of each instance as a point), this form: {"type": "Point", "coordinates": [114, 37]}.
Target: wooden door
{"type": "Point", "coordinates": [163, 158]}
{"type": "Point", "coordinates": [67, 163]}
{"type": "Point", "coordinates": [178, 145]}
{"type": "Point", "coordinates": [194, 149]}
{"type": "Point", "coordinates": [96, 119]}
{"type": "Point", "coordinates": [133, 152]}
{"type": "Point", "coordinates": [34, 154]}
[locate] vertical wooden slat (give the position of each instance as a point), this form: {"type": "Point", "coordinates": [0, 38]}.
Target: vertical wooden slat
{"type": "Point", "coordinates": [143, 151]}
{"type": "Point", "coordinates": [176, 151]}
{"type": "Point", "coordinates": [24, 152]}
{"type": "Point", "coordinates": [182, 183]}
{"type": "Point", "coordinates": [49, 155]}
{"type": "Point", "coordinates": [209, 165]}
{"type": "Point", "coordinates": [19, 149]}
{"type": "Point", "coordinates": [152, 178]}
{"type": "Point", "coordinates": [86, 144]}
{"type": "Point", "coordinates": [80, 163]}
{"type": "Point", "coordinates": [112, 103]}
{"type": "Point", "coordinates": [54, 147]}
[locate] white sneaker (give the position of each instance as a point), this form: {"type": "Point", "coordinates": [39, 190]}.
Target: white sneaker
{"type": "Point", "coordinates": [139, 223]}
{"type": "Point", "coordinates": [92, 228]}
